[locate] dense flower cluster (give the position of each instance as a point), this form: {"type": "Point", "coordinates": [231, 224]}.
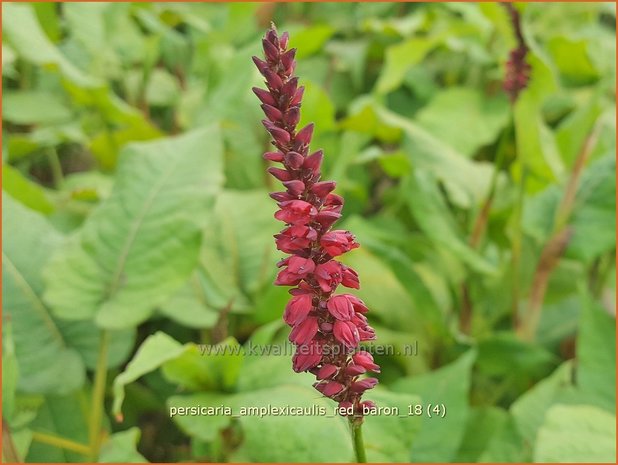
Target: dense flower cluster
{"type": "Point", "coordinates": [326, 327]}
{"type": "Point", "coordinates": [517, 69]}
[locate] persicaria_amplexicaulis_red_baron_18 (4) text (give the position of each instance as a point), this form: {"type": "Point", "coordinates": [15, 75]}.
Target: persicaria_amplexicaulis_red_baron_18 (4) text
{"type": "Point", "coordinates": [327, 327]}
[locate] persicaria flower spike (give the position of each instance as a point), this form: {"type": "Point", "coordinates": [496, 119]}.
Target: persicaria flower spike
{"type": "Point", "coordinates": [327, 328]}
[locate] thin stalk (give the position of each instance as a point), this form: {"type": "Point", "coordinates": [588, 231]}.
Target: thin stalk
{"type": "Point", "coordinates": [558, 242]}
{"type": "Point", "coordinates": [61, 443]}
{"type": "Point", "coordinates": [517, 246]}
{"type": "Point", "coordinates": [9, 451]}
{"type": "Point", "coordinates": [98, 397]}
{"type": "Point", "coordinates": [55, 167]}
{"type": "Point", "coordinates": [356, 427]}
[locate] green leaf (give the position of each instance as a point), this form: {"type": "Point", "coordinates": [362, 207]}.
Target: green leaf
{"type": "Point", "coordinates": [317, 107]}
{"type": "Point", "coordinates": [596, 357]}
{"type": "Point", "coordinates": [444, 162]}
{"type": "Point", "coordinates": [33, 107]}
{"type": "Point", "coordinates": [274, 438]}
{"type": "Point", "coordinates": [506, 445]}
{"type": "Point", "coordinates": [121, 448]}
{"type": "Point", "coordinates": [576, 434]}
{"type": "Point", "coordinates": [142, 243]}
{"type": "Point", "coordinates": [450, 386]}
{"type": "Point", "coordinates": [388, 436]}
{"type": "Point", "coordinates": [238, 255]}
{"type": "Point", "coordinates": [399, 59]}
{"type": "Point", "coordinates": [23, 32]}
{"type": "Point", "coordinates": [482, 426]}
{"type": "Point", "coordinates": [202, 427]}
{"type": "Point", "coordinates": [47, 363]}
{"type": "Point", "coordinates": [27, 192]}
{"type": "Point", "coordinates": [530, 409]}
{"type": "Point", "coordinates": [573, 60]}
{"type": "Point", "coordinates": [213, 367]}
{"type": "Point", "coordinates": [465, 118]}
{"type": "Point", "coordinates": [311, 39]}
{"type": "Point", "coordinates": [10, 371]}
{"type": "Point", "coordinates": [154, 351]}
{"type": "Point", "coordinates": [61, 416]}
{"type": "Point", "coordinates": [188, 306]}
{"type": "Point", "coordinates": [427, 205]}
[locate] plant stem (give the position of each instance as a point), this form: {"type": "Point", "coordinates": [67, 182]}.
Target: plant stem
{"type": "Point", "coordinates": [9, 451]}
{"type": "Point", "coordinates": [55, 166]}
{"type": "Point", "coordinates": [61, 443]}
{"type": "Point", "coordinates": [98, 397]}
{"type": "Point", "coordinates": [357, 439]}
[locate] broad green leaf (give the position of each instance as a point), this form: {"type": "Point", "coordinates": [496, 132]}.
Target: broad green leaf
{"type": "Point", "coordinates": [382, 291]}
{"type": "Point", "coordinates": [323, 437]}
{"type": "Point", "coordinates": [388, 436]}
{"type": "Point", "coordinates": [311, 39]}
{"type": "Point", "coordinates": [464, 118]}
{"type": "Point", "coordinates": [23, 32]}
{"type": "Point", "coordinates": [482, 426]}
{"type": "Point", "coordinates": [450, 386]}
{"type": "Point", "coordinates": [530, 409]}
{"type": "Point", "coordinates": [27, 192]}
{"type": "Point", "coordinates": [506, 445]}
{"type": "Point", "coordinates": [238, 253]}
{"type": "Point", "coordinates": [10, 372]}
{"type": "Point", "coordinates": [62, 416]}
{"type": "Point", "coordinates": [573, 60]}
{"type": "Point", "coordinates": [443, 161]}
{"type": "Point", "coordinates": [596, 355]}
{"type": "Point", "coordinates": [33, 107]}
{"type": "Point", "coordinates": [121, 448]}
{"type": "Point", "coordinates": [576, 434]}
{"type": "Point", "coordinates": [188, 306]}
{"type": "Point", "coordinates": [154, 351]}
{"type": "Point", "coordinates": [399, 59]}
{"type": "Point", "coordinates": [430, 211]}
{"type": "Point", "coordinates": [317, 107]}
{"type": "Point", "coordinates": [203, 427]}
{"type": "Point", "coordinates": [142, 243]}
{"type": "Point", "coordinates": [206, 367]}
{"type": "Point", "coordinates": [46, 362]}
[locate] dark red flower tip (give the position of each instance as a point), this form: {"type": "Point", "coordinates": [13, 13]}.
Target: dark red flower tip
{"type": "Point", "coordinates": [304, 135]}
{"type": "Point", "coordinates": [340, 307]}
{"type": "Point", "coordinates": [296, 212]}
{"type": "Point", "coordinates": [271, 51]}
{"type": "Point", "coordinates": [273, 156]}
{"type": "Point", "coordinates": [264, 96]}
{"type": "Point", "coordinates": [307, 356]}
{"type": "Point", "coordinates": [364, 384]}
{"type": "Point", "coordinates": [296, 269]}
{"type": "Point", "coordinates": [281, 136]}
{"type": "Point", "coordinates": [298, 96]}
{"type": "Point", "coordinates": [327, 371]}
{"type": "Point", "coordinates": [272, 79]}
{"type": "Point", "coordinates": [346, 332]}
{"type": "Point", "coordinates": [272, 113]}
{"type": "Point", "coordinates": [298, 309]}
{"type": "Point", "coordinates": [338, 242]}
{"type": "Point", "coordinates": [281, 196]}
{"type": "Point", "coordinates": [303, 332]}
{"type": "Point", "coordinates": [294, 160]}
{"type": "Point", "coordinates": [280, 174]}
{"type": "Point", "coordinates": [295, 187]}
{"type": "Point", "coordinates": [261, 65]}
{"type": "Point", "coordinates": [355, 370]}
{"type": "Point", "coordinates": [365, 359]}
{"type": "Point", "coordinates": [323, 188]}
{"type": "Point", "coordinates": [292, 116]}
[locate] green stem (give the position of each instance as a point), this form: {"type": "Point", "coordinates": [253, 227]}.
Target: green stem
{"type": "Point", "coordinates": [9, 451]}
{"type": "Point", "coordinates": [55, 166]}
{"type": "Point", "coordinates": [357, 439]}
{"type": "Point", "coordinates": [517, 246]}
{"type": "Point", "coordinates": [98, 397]}
{"type": "Point", "coordinates": [61, 443]}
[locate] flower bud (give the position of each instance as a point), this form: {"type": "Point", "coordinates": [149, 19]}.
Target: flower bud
{"type": "Point", "coordinates": [304, 332]}
{"type": "Point", "coordinates": [294, 160]}
{"type": "Point", "coordinates": [264, 96]}
{"type": "Point", "coordinates": [297, 309]}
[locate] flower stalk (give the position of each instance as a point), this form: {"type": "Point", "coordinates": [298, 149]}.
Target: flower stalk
{"type": "Point", "coordinates": [326, 327]}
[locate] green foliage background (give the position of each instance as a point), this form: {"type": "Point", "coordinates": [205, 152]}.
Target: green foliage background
{"type": "Point", "coordinates": [137, 224]}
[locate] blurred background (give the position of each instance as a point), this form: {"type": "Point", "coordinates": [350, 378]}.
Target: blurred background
{"type": "Point", "coordinates": [137, 229]}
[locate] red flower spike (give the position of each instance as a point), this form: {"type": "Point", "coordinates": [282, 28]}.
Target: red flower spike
{"type": "Point", "coordinates": [264, 96]}
{"type": "Point", "coordinates": [297, 309]}
{"type": "Point", "coordinates": [304, 332]}
{"type": "Point", "coordinates": [326, 328]}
